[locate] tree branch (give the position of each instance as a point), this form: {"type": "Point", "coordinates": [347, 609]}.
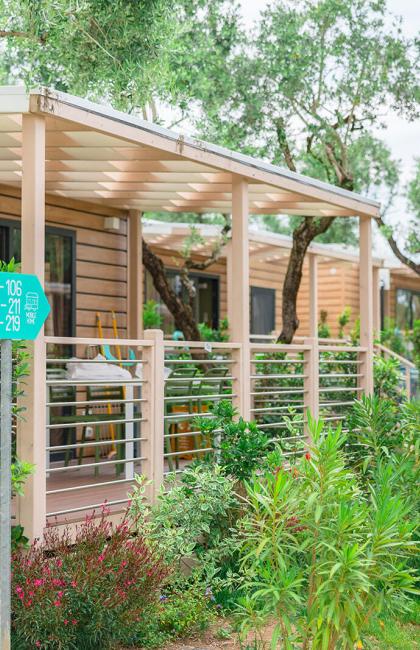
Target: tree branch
{"type": "Point", "coordinates": [17, 34]}
{"type": "Point", "coordinates": [395, 248]}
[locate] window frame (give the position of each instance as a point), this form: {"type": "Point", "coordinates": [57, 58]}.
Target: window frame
{"type": "Point", "coordinates": [64, 232]}
{"type": "Point", "coordinates": [268, 291]}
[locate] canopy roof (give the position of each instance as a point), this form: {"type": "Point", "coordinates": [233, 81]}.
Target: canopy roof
{"type": "Point", "coordinates": [264, 246]}
{"type": "Point", "coordinates": [105, 156]}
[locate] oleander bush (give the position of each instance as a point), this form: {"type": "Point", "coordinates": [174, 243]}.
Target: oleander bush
{"type": "Point", "coordinates": [85, 592]}
{"type": "Point", "coordinates": [322, 553]}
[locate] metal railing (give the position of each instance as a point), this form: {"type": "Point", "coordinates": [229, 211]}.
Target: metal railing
{"type": "Point", "coordinates": [197, 376]}
{"type": "Point", "coordinates": [98, 426]}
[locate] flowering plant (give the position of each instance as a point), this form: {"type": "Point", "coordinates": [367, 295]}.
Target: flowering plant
{"type": "Point", "coordinates": [84, 591]}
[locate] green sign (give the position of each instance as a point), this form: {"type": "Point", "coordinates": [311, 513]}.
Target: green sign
{"type": "Point", "coordinates": [23, 306]}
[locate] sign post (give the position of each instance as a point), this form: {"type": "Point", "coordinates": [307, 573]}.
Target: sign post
{"type": "Point", "coordinates": [23, 310]}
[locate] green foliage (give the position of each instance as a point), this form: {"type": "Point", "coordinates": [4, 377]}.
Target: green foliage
{"type": "Point", "coordinates": [343, 320]}
{"type": "Point", "coordinates": [185, 610]}
{"type": "Point", "coordinates": [324, 331]}
{"type": "Point", "coordinates": [239, 445]}
{"type": "Point", "coordinates": [413, 195]}
{"type": "Point", "coordinates": [387, 378]}
{"type": "Point", "coordinates": [21, 471]}
{"type": "Point", "coordinates": [191, 518]}
{"type": "Point", "coordinates": [151, 316]}
{"type": "Point", "coordinates": [107, 50]}
{"type": "Point", "coordinates": [215, 335]}
{"type": "Point", "coordinates": [393, 338]}
{"type": "Point", "coordinates": [415, 339]}
{"type": "Point", "coordinates": [320, 554]}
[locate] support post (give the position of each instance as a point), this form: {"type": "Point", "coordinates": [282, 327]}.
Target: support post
{"type": "Point", "coordinates": [238, 287]}
{"type": "Point", "coordinates": [229, 287]}
{"type": "Point", "coordinates": [313, 295]}
{"type": "Point", "coordinates": [366, 303]}
{"type": "Point", "coordinates": [135, 275]}
{"type": "Point", "coordinates": [153, 391]}
{"type": "Point", "coordinates": [31, 435]}
{"type": "Point", "coordinates": [311, 382]}
{"type": "Point", "coordinates": [5, 490]}
{"type": "Point", "coordinates": [376, 302]}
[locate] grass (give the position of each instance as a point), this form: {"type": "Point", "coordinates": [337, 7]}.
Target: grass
{"type": "Point", "coordinates": [402, 633]}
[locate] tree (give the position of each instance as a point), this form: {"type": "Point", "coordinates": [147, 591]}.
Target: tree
{"type": "Point", "coordinates": [323, 76]}
{"type": "Point", "coordinates": [123, 52]}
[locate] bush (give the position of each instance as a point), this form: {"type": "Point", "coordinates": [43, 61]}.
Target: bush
{"type": "Point", "coordinates": [85, 592]}
{"type": "Point", "coordinates": [318, 554]}
{"type": "Point", "coordinates": [151, 316]}
{"type": "Point", "coordinates": [239, 445]}
{"type": "Point", "coordinates": [387, 378]}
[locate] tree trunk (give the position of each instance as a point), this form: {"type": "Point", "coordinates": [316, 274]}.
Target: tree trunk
{"type": "Point", "coordinates": [303, 235]}
{"type": "Point", "coordinates": [182, 312]}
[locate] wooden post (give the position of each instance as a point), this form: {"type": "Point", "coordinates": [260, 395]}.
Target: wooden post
{"type": "Point", "coordinates": [31, 435]}
{"type": "Point", "coordinates": [366, 303]}
{"type": "Point", "coordinates": [135, 275]}
{"type": "Point", "coordinates": [376, 302]}
{"type": "Point", "coordinates": [229, 287]}
{"type": "Point", "coordinates": [153, 391]}
{"type": "Point", "coordinates": [238, 286]}
{"type": "Point", "coordinates": [311, 382]}
{"type": "Point", "coordinates": [313, 295]}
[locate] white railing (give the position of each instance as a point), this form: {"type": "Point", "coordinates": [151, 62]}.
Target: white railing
{"type": "Point", "coordinates": [408, 367]}
{"type": "Point", "coordinates": [139, 415]}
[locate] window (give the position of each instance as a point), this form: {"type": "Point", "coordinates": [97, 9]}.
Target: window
{"type": "Point", "coordinates": [205, 304]}
{"type": "Point", "coordinates": [59, 273]}
{"type": "Point", "coordinates": [407, 308]}
{"type": "Point", "coordinates": [263, 303]}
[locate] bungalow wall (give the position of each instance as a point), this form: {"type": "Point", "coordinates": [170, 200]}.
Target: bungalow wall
{"type": "Point", "coordinates": [101, 269]}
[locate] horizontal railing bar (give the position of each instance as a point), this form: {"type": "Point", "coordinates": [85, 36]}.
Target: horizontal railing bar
{"type": "Point", "coordinates": [74, 488]}
{"type": "Point", "coordinates": [173, 471]}
{"type": "Point", "coordinates": [281, 392]}
{"type": "Point", "coordinates": [95, 382]}
{"type": "Point", "coordinates": [200, 345]}
{"type": "Point", "coordinates": [196, 380]}
{"type": "Point", "coordinates": [198, 397]}
{"type": "Point", "coordinates": [75, 360]}
{"type": "Point", "coordinates": [275, 376]}
{"type": "Point", "coordinates": [334, 417]}
{"type": "Point", "coordinates": [339, 389]}
{"type": "Point", "coordinates": [189, 433]}
{"type": "Point", "coordinates": [95, 443]}
{"type": "Point", "coordinates": [94, 506]}
{"type": "Point", "coordinates": [187, 416]}
{"type": "Point", "coordinates": [294, 453]}
{"type": "Point", "coordinates": [340, 375]}
{"type": "Point", "coordinates": [100, 464]}
{"type": "Point", "coordinates": [341, 348]}
{"type": "Point", "coordinates": [74, 340]}
{"type": "Point", "coordinates": [283, 361]}
{"type": "Point", "coordinates": [93, 423]}
{"type": "Point", "coordinates": [341, 361]}
{"type": "Point", "coordinates": [199, 361]}
{"type": "Point", "coordinates": [270, 409]}
{"type": "Point", "coordinates": [186, 452]}
{"type": "Point", "coordinates": [279, 425]}
{"type": "Point", "coordinates": [328, 404]}
{"type": "Point", "coordinates": [279, 440]}
{"type": "Point", "coordinates": [278, 347]}
{"type": "Point", "coordinates": [98, 402]}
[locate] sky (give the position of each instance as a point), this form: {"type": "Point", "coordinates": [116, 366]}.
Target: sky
{"type": "Point", "coordinates": [402, 137]}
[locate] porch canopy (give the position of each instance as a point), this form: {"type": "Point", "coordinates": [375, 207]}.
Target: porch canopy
{"type": "Point", "coordinates": [55, 144]}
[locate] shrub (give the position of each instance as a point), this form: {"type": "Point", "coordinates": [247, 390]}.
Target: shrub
{"type": "Point", "coordinates": [239, 445]}
{"type": "Point", "coordinates": [319, 555]}
{"type": "Point", "coordinates": [387, 378]}
{"type": "Point", "coordinates": [219, 335]}
{"type": "Point", "coordinates": [151, 316]}
{"type": "Point", "coordinates": [84, 592]}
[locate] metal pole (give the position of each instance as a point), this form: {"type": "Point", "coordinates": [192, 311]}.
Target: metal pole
{"type": "Point", "coordinates": [5, 490]}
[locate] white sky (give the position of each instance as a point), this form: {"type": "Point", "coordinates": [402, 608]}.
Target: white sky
{"type": "Point", "coordinates": [402, 137]}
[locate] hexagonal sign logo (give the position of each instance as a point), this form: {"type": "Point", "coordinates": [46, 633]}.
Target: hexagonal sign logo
{"type": "Point", "coordinates": [23, 306]}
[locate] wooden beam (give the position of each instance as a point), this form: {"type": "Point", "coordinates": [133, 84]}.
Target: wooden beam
{"type": "Point", "coordinates": [238, 287]}
{"type": "Point", "coordinates": [31, 438]}
{"type": "Point", "coordinates": [366, 302]}
{"type": "Point", "coordinates": [135, 276]}
{"type": "Point", "coordinates": [313, 295]}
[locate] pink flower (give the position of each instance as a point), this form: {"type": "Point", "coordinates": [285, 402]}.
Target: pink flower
{"type": "Point", "coordinates": [38, 644]}
{"type": "Point", "coordinates": [66, 622]}
{"type": "Point", "coordinates": [57, 603]}
{"type": "Point", "coordinates": [56, 583]}
{"type": "Point", "coordinates": [73, 583]}
{"type": "Point", "coordinates": [38, 582]}
{"type": "Point", "coordinates": [59, 594]}
{"type": "Point", "coordinates": [74, 622]}
{"type": "Point", "coordinates": [59, 563]}
{"type": "Point", "coordinates": [28, 603]}
{"type": "Point", "coordinates": [101, 557]}
{"type": "Point", "coordinates": [19, 590]}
